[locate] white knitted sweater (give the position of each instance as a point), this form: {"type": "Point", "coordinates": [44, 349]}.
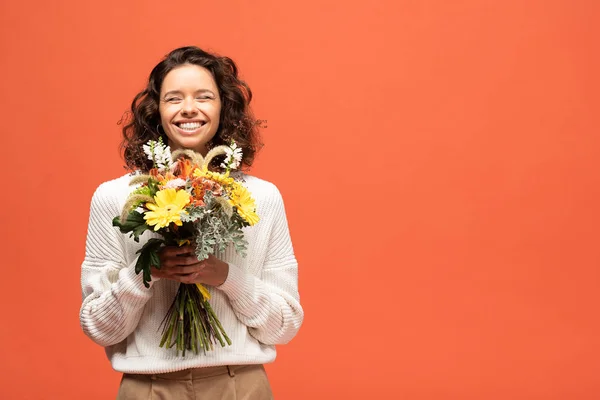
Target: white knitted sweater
{"type": "Point", "coordinates": [258, 305]}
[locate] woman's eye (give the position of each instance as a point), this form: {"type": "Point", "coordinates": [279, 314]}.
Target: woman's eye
{"type": "Point", "coordinates": [173, 99]}
{"type": "Point", "coordinates": [205, 97]}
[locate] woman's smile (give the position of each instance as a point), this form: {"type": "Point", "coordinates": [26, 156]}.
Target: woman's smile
{"type": "Point", "coordinates": [189, 127]}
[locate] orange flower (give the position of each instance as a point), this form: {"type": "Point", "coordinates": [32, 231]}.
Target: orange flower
{"type": "Point", "coordinates": [197, 192]}
{"type": "Point", "coordinates": [198, 202]}
{"type": "Point", "coordinates": [156, 175]}
{"type": "Point", "coordinates": [185, 167]}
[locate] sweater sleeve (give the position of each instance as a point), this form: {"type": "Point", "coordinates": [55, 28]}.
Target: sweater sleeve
{"type": "Point", "coordinates": [269, 306]}
{"type": "Point", "coordinates": [113, 295]}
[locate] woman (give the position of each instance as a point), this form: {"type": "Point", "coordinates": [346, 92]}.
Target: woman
{"type": "Point", "coordinates": [193, 100]}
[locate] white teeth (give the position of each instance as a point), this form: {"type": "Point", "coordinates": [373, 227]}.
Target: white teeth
{"type": "Point", "coordinates": [190, 126]}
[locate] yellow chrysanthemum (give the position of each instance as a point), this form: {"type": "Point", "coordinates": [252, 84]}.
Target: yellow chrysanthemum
{"type": "Point", "coordinates": [240, 198]}
{"type": "Point", "coordinates": [169, 205]}
{"type": "Point", "coordinates": [222, 179]}
{"type": "Point", "coordinates": [199, 172]}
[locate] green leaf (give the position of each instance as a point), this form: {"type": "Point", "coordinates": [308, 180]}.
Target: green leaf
{"type": "Point", "coordinates": [134, 223]}
{"type": "Point", "coordinates": [148, 258]}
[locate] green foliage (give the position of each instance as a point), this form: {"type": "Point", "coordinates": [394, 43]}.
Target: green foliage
{"type": "Point", "coordinates": [135, 223]}
{"type": "Point", "coordinates": [216, 230]}
{"type": "Point", "coordinates": [143, 190]}
{"type": "Point", "coordinates": [193, 214]}
{"type": "Point", "coordinates": [153, 187]}
{"type": "Point", "coordinates": [148, 258]}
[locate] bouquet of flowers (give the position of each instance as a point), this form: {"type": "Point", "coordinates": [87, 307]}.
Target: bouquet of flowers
{"type": "Point", "coordinates": [184, 202]}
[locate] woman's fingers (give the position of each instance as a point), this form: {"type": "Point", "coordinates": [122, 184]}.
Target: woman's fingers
{"type": "Point", "coordinates": [172, 262]}
{"type": "Point", "coordinates": [185, 270]}
{"type": "Point", "coordinates": [170, 274]}
{"type": "Point", "coordinates": [181, 264]}
{"type": "Point", "coordinates": [190, 278]}
{"type": "Point", "coordinates": [179, 268]}
{"type": "Point", "coordinates": [168, 260]}
{"type": "Point", "coordinates": [174, 251]}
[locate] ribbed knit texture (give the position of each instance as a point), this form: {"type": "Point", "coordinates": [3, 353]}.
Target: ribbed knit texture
{"type": "Point", "coordinates": [258, 305]}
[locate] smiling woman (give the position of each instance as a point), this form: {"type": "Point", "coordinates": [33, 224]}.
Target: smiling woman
{"type": "Point", "coordinates": [193, 101]}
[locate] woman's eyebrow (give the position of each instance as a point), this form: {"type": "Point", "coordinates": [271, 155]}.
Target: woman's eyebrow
{"type": "Point", "coordinates": [197, 91]}
{"type": "Point", "coordinates": [172, 92]}
{"type": "Point", "coordinates": [204, 91]}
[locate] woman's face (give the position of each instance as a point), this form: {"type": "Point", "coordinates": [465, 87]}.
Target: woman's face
{"type": "Point", "coordinates": [190, 107]}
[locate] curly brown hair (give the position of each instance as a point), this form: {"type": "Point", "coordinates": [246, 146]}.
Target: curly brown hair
{"type": "Point", "coordinates": [236, 121]}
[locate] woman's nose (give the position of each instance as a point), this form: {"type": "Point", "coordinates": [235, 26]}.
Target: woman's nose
{"type": "Point", "coordinates": [188, 107]}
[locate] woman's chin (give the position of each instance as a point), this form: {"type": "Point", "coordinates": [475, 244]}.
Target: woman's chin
{"type": "Point", "coordinates": [195, 145]}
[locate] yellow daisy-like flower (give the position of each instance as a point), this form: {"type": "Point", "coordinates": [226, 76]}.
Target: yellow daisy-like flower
{"type": "Point", "coordinates": [222, 179]}
{"type": "Point", "coordinates": [241, 199]}
{"type": "Point", "coordinates": [169, 205]}
{"type": "Point", "coordinates": [199, 172]}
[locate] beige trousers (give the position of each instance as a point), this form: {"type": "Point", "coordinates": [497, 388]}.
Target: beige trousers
{"type": "Point", "coordinates": [237, 382]}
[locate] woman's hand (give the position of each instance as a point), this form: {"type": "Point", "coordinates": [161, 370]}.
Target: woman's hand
{"type": "Point", "coordinates": [181, 264]}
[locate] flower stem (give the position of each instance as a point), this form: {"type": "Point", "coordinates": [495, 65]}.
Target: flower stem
{"type": "Point", "coordinates": [191, 323]}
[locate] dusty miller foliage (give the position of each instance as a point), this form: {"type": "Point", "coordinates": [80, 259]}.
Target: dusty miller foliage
{"type": "Point", "coordinates": [215, 229]}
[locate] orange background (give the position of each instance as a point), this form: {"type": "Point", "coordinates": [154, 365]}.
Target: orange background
{"type": "Point", "coordinates": [440, 166]}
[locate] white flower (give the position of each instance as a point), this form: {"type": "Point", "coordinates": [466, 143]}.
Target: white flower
{"type": "Point", "coordinates": [175, 183]}
{"type": "Point", "coordinates": [233, 157]}
{"type": "Point", "coordinates": [158, 153]}
{"type": "Point", "coordinates": [163, 156]}
{"type": "Point", "coordinates": [148, 150]}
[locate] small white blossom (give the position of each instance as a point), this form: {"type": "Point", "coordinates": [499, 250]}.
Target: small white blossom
{"type": "Point", "coordinates": [148, 150]}
{"type": "Point", "coordinates": [163, 156]}
{"type": "Point", "coordinates": [233, 157]}
{"type": "Point", "coordinates": [158, 153]}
